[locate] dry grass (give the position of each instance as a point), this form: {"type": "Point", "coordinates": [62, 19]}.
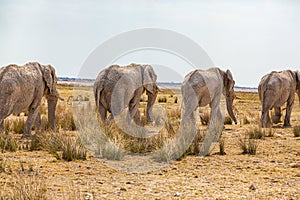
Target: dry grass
{"type": "Point", "coordinates": [61, 145]}
{"type": "Point", "coordinates": [255, 133]}
{"type": "Point", "coordinates": [8, 142]}
{"type": "Point", "coordinates": [24, 172]}
{"type": "Point", "coordinates": [296, 131]}
{"type": "Point", "coordinates": [247, 144]}
{"type": "Point", "coordinates": [29, 187]}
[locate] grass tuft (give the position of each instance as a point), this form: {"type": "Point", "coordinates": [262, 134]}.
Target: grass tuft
{"type": "Point", "coordinates": [247, 145]}
{"type": "Point", "coordinates": [255, 133]}
{"type": "Point", "coordinates": [296, 131]}
{"type": "Point", "coordinates": [7, 142]}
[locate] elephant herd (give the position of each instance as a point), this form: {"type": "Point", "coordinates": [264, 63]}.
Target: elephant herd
{"type": "Point", "coordinates": [117, 88]}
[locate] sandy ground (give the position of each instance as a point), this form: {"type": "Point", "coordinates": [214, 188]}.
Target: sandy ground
{"type": "Point", "coordinates": [273, 173]}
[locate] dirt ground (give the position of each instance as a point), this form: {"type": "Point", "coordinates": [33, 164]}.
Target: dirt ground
{"type": "Point", "coordinates": [273, 173]}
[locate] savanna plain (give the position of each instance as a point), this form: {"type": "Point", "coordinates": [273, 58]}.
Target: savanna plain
{"type": "Point", "coordinates": [246, 163]}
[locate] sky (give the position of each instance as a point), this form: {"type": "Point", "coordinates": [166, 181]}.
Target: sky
{"type": "Point", "coordinates": [251, 38]}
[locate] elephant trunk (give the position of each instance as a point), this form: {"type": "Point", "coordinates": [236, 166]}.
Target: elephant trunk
{"type": "Point", "coordinates": [151, 101]}
{"type": "Point", "coordinates": [52, 102]}
{"type": "Point", "coordinates": [229, 102]}
{"type": "Point", "coordinates": [298, 93]}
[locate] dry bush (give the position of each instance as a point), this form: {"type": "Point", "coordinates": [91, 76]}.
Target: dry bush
{"type": "Point", "coordinates": [26, 187]}
{"type": "Point", "coordinates": [4, 166]}
{"type": "Point", "coordinates": [185, 142]}
{"type": "Point", "coordinates": [61, 145]}
{"type": "Point", "coordinates": [174, 113]}
{"type": "Point", "coordinates": [248, 146]}
{"type": "Point", "coordinates": [64, 118]}
{"type": "Point", "coordinates": [222, 146]}
{"type": "Point", "coordinates": [296, 131]}
{"type": "Point", "coordinates": [255, 133]}
{"type": "Point", "coordinates": [194, 148]}
{"type": "Point", "coordinates": [175, 100]}
{"type": "Point", "coordinates": [269, 132]}
{"type": "Point", "coordinates": [228, 120]}
{"type": "Point", "coordinates": [16, 125]}
{"type": "Point", "coordinates": [204, 117]}
{"type": "Point", "coordinates": [246, 120]}
{"type": "Point", "coordinates": [7, 142]}
{"type": "Point", "coordinates": [162, 99]}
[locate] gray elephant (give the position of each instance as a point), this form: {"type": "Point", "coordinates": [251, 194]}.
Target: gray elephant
{"type": "Point", "coordinates": [275, 89]}
{"type": "Point", "coordinates": [203, 87]}
{"type": "Point", "coordinates": [22, 89]}
{"type": "Point", "coordinates": [117, 88]}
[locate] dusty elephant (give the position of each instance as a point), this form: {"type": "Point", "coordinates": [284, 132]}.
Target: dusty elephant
{"type": "Point", "coordinates": [117, 88]}
{"type": "Point", "coordinates": [275, 89]}
{"type": "Point", "coordinates": [22, 89]}
{"type": "Point", "coordinates": [203, 87]}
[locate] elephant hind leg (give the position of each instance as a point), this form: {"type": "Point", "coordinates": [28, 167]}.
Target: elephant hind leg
{"type": "Point", "coordinates": [1, 125]}
{"type": "Point", "coordinates": [277, 116]}
{"type": "Point", "coordinates": [265, 120]}
{"type": "Point", "coordinates": [102, 112]}
{"type": "Point", "coordinates": [38, 124]}
{"type": "Point", "coordinates": [289, 106]}
{"type": "Point", "coordinates": [32, 116]}
{"type": "Point", "coordinates": [134, 112]}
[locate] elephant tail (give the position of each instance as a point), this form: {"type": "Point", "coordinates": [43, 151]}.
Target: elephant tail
{"type": "Point", "coordinates": [97, 92]}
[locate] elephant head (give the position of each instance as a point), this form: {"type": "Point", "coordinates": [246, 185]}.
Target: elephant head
{"type": "Point", "coordinates": [149, 83]}
{"type": "Point", "coordinates": [229, 93]}
{"type": "Point", "coordinates": [51, 93]}
{"type": "Point", "coordinates": [297, 73]}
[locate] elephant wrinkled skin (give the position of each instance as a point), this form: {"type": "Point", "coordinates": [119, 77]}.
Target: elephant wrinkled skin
{"type": "Point", "coordinates": [22, 89]}
{"type": "Point", "coordinates": [203, 87]}
{"type": "Point", "coordinates": [275, 89]}
{"type": "Point", "coordinates": [119, 87]}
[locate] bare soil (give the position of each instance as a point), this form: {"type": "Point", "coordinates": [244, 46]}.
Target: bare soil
{"type": "Point", "coordinates": [273, 173]}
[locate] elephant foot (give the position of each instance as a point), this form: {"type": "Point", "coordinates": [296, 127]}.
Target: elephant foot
{"type": "Point", "coordinates": [287, 126]}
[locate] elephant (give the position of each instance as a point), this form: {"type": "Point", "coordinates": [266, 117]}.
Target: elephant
{"type": "Point", "coordinates": [275, 89]}
{"type": "Point", "coordinates": [203, 87]}
{"type": "Point", "coordinates": [22, 89]}
{"type": "Point", "coordinates": [117, 88]}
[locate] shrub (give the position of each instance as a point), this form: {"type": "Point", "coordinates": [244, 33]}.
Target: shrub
{"type": "Point", "coordinates": [162, 99]}
{"type": "Point", "coordinates": [248, 146]}
{"type": "Point", "coordinates": [175, 100]}
{"type": "Point", "coordinates": [246, 120]}
{"type": "Point", "coordinates": [61, 145]}
{"type": "Point", "coordinates": [269, 133]}
{"type": "Point", "coordinates": [26, 187]}
{"type": "Point", "coordinates": [296, 131]}
{"type": "Point", "coordinates": [7, 142]}
{"type": "Point", "coordinates": [222, 146]}
{"type": "Point", "coordinates": [204, 117]}
{"type": "Point", "coordinates": [227, 120]}
{"type": "Point", "coordinates": [64, 118]}
{"type": "Point", "coordinates": [255, 133]}
{"type": "Point", "coordinates": [16, 125]}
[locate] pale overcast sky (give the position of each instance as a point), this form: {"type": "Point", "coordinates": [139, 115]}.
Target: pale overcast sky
{"type": "Point", "coordinates": [250, 38]}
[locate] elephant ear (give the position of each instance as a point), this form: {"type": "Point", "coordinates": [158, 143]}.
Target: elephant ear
{"type": "Point", "coordinates": [149, 79]}
{"type": "Point", "coordinates": [228, 82]}
{"type": "Point", "coordinates": [297, 73]}
{"type": "Point", "coordinates": [49, 78]}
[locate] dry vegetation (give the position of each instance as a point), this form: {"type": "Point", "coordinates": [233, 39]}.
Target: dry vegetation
{"type": "Point", "coordinates": [246, 163]}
